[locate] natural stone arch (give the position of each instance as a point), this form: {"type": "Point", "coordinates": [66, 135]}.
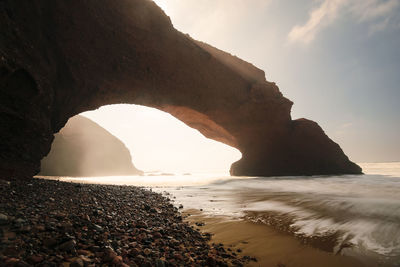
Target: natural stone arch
{"type": "Point", "coordinates": [60, 58]}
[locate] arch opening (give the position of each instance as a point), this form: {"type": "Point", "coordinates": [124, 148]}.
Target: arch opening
{"type": "Point", "coordinates": [158, 143]}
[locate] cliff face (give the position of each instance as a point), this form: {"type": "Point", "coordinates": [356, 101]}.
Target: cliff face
{"type": "Point", "coordinates": [84, 148]}
{"type": "Point", "coordinates": [60, 58]}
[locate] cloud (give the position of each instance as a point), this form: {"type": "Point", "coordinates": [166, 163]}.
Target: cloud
{"type": "Point", "coordinates": [371, 9]}
{"type": "Point", "coordinates": [376, 13]}
{"type": "Point", "coordinates": [320, 17]}
{"type": "Point", "coordinates": [380, 26]}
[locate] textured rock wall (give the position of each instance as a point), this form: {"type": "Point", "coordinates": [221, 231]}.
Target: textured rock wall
{"type": "Point", "coordinates": [60, 58]}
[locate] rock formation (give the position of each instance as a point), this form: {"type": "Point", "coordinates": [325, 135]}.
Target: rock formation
{"type": "Point", "coordinates": [60, 58]}
{"type": "Point", "coordinates": [84, 148]}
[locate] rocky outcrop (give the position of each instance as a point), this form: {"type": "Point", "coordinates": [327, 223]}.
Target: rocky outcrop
{"type": "Point", "coordinates": [60, 58]}
{"type": "Point", "coordinates": [84, 148]}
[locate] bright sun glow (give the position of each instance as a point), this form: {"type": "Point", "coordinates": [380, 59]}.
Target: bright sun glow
{"type": "Point", "coordinates": [162, 4]}
{"type": "Point", "coordinates": [160, 142]}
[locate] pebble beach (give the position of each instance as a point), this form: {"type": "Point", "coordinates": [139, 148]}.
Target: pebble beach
{"type": "Point", "coordinates": [53, 223]}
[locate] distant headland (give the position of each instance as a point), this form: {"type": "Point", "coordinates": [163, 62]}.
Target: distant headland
{"type": "Point", "coordinates": [84, 148]}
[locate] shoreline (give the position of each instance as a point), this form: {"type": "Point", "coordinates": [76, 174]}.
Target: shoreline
{"type": "Point", "coordinates": [54, 223]}
{"type": "Point", "coordinates": [269, 246]}
{"type": "Point", "coordinates": [245, 241]}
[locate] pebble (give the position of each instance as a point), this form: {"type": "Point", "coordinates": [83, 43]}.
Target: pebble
{"type": "Point", "coordinates": [35, 259]}
{"type": "Point", "coordinates": [49, 242]}
{"type": "Point", "coordinates": [3, 219]}
{"type": "Point", "coordinates": [67, 246]}
{"type": "Point", "coordinates": [99, 225]}
{"type": "Point", "coordinates": [19, 221]}
{"type": "Point", "coordinates": [199, 224]}
{"type": "Point", "coordinates": [77, 263]}
{"type": "Point", "coordinates": [147, 251]}
{"type": "Point", "coordinates": [160, 263]}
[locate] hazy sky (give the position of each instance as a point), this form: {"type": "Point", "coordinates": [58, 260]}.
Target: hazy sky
{"type": "Point", "coordinates": [338, 60]}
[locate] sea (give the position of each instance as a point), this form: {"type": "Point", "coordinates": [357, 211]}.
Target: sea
{"type": "Point", "coordinates": [354, 215]}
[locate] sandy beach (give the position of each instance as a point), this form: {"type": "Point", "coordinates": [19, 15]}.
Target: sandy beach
{"type": "Point", "coordinates": [268, 246]}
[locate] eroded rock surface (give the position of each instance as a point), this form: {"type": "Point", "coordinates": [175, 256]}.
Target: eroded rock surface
{"type": "Point", "coordinates": [60, 58]}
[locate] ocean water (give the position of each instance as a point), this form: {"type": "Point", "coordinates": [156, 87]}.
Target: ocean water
{"type": "Point", "coordinates": [357, 215]}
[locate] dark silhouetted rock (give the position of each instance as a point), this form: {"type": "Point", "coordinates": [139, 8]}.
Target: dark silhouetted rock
{"type": "Point", "coordinates": [60, 58]}
{"type": "Point", "coordinates": [84, 148]}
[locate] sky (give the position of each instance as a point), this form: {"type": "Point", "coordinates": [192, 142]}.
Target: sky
{"type": "Point", "coordinates": [337, 60]}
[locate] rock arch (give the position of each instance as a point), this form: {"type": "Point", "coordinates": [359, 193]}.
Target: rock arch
{"type": "Point", "coordinates": [60, 58]}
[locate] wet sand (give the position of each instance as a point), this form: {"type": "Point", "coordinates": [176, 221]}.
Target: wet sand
{"type": "Point", "coordinates": [268, 246]}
